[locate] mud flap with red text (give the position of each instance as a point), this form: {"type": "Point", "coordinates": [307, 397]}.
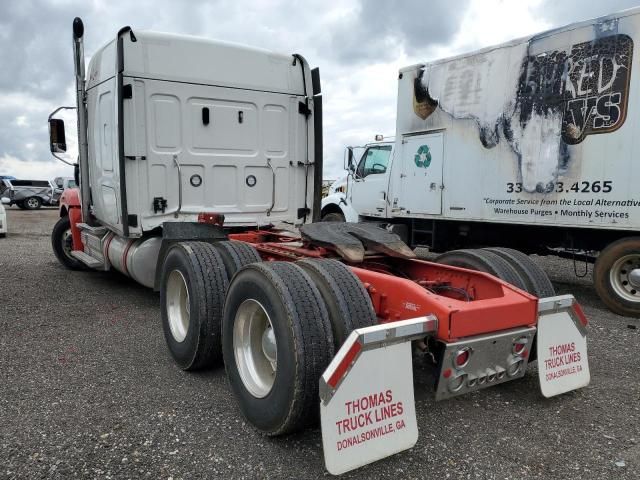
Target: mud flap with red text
{"type": "Point", "coordinates": [562, 346]}
{"type": "Point", "coordinates": [367, 405]}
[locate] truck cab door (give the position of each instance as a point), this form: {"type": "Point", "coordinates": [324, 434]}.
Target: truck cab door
{"type": "Point", "coordinates": [369, 188]}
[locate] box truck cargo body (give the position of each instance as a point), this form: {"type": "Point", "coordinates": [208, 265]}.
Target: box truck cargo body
{"type": "Point", "coordinates": [530, 144]}
{"type": "Point", "coordinates": [538, 131]}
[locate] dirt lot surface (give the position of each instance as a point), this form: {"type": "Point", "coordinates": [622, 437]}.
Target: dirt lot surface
{"type": "Point", "coordinates": [88, 389]}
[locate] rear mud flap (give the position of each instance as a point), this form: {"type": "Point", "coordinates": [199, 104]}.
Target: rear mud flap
{"type": "Point", "coordinates": [367, 405]}
{"type": "Point", "coordinates": [563, 364]}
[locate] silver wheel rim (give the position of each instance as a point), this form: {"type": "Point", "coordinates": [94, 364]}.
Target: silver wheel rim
{"type": "Point", "coordinates": [178, 307]}
{"type": "Point", "coordinates": [67, 243]}
{"type": "Point", "coordinates": [32, 202]}
{"type": "Point", "coordinates": [255, 348]}
{"type": "Point", "coordinates": [624, 277]}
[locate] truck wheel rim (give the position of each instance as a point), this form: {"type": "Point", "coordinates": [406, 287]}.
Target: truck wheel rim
{"type": "Point", "coordinates": [255, 348]}
{"type": "Point", "coordinates": [67, 243]}
{"type": "Point", "coordinates": [32, 202]}
{"type": "Point", "coordinates": [178, 308]}
{"type": "Point", "coordinates": [625, 277]}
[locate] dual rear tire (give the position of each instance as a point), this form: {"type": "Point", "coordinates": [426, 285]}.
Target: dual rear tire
{"type": "Point", "coordinates": [194, 282]}
{"type": "Point", "coordinates": [277, 325]}
{"type": "Point", "coordinates": [510, 265]}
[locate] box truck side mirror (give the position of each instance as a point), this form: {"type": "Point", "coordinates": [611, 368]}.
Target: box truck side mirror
{"type": "Point", "coordinates": [350, 164]}
{"type": "Point", "coordinates": [57, 140]}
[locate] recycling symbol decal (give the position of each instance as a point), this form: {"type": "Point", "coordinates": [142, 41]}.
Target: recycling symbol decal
{"type": "Point", "coordinates": [422, 157]}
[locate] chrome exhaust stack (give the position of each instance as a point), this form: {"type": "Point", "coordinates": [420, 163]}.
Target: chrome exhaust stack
{"type": "Point", "coordinates": [83, 157]}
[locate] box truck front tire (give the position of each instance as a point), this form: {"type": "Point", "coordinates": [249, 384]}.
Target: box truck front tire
{"type": "Point", "coordinates": [333, 217]}
{"type": "Point", "coordinates": [616, 276]}
{"type": "Point", "coordinates": [277, 341]}
{"type": "Point", "coordinates": [192, 290]}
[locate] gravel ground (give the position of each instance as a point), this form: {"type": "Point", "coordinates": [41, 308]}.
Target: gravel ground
{"type": "Point", "coordinates": [88, 390]}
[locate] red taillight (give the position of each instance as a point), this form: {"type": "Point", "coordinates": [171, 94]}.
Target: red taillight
{"type": "Point", "coordinates": [461, 358]}
{"type": "Point", "coordinates": [211, 218]}
{"type": "Point", "coordinates": [520, 346]}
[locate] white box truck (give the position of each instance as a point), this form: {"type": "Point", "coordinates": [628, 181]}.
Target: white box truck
{"type": "Point", "coordinates": [189, 151]}
{"type": "Point", "coordinates": [532, 144]}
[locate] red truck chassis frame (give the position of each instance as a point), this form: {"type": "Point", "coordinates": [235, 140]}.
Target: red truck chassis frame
{"type": "Point", "coordinates": [466, 302]}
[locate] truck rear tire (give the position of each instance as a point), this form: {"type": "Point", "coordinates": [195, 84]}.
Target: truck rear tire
{"type": "Point", "coordinates": [483, 261]}
{"type": "Point", "coordinates": [333, 217]}
{"type": "Point", "coordinates": [236, 255]}
{"type": "Point", "coordinates": [193, 286]}
{"type": "Point", "coordinates": [61, 243]}
{"type": "Point", "coordinates": [32, 203]}
{"type": "Point", "coordinates": [616, 276]}
{"type": "Point", "coordinates": [535, 278]}
{"type": "Point", "coordinates": [277, 342]}
{"type": "Point", "coordinates": [346, 299]}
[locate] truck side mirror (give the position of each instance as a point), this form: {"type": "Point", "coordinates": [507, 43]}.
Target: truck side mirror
{"type": "Point", "coordinates": [57, 140]}
{"type": "Point", "coordinates": [350, 164]}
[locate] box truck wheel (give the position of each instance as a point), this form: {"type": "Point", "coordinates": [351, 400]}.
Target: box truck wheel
{"type": "Point", "coordinates": [346, 299]}
{"type": "Point", "coordinates": [277, 341]}
{"type": "Point", "coordinates": [333, 217]}
{"type": "Point", "coordinates": [536, 280]}
{"type": "Point", "coordinates": [616, 276]}
{"type": "Point", "coordinates": [61, 243]}
{"type": "Point", "coordinates": [192, 290]}
{"type": "Point", "coordinates": [236, 255]}
{"type": "Point", "coordinates": [483, 261]}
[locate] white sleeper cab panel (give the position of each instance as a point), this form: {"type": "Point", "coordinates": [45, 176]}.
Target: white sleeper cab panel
{"type": "Point", "coordinates": [221, 150]}
{"type": "Point", "coordinates": [104, 171]}
{"type": "Point", "coordinates": [201, 132]}
{"type": "Point", "coordinates": [541, 130]}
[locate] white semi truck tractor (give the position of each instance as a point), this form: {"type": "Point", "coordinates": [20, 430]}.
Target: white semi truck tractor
{"type": "Point", "coordinates": [530, 145]}
{"type": "Point", "coordinates": [190, 152]}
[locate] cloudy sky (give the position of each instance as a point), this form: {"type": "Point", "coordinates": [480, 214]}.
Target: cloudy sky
{"type": "Point", "coordinates": [359, 46]}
